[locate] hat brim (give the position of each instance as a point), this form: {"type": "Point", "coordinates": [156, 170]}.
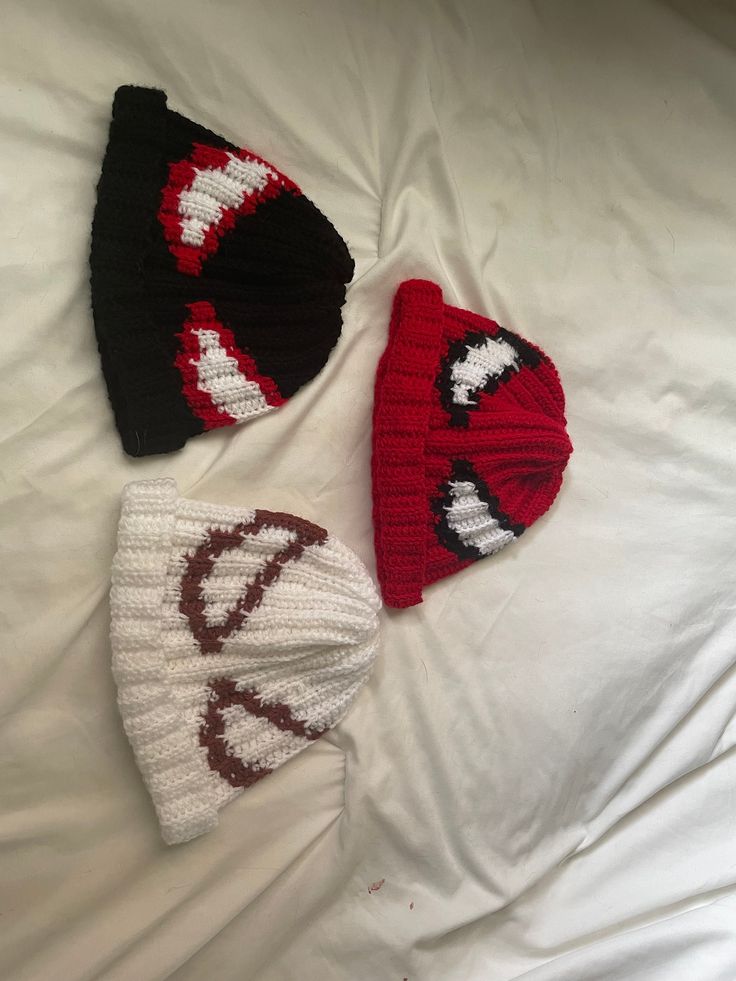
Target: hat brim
{"type": "Point", "coordinates": [402, 402]}
{"type": "Point", "coordinates": [139, 372]}
{"type": "Point", "coordinates": [165, 747]}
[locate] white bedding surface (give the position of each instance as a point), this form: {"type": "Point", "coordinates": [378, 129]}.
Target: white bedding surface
{"type": "Point", "coordinates": [542, 768]}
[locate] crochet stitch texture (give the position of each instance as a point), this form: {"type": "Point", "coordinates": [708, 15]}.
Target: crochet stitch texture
{"type": "Point", "coordinates": [239, 636]}
{"type": "Point", "coordinates": [217, 286]}
{"type": "Point", "coordinates": [469, 441]}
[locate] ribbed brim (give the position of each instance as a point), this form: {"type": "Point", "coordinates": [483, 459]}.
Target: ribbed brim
{"type": "Point", "coordinates": [166, 748]}
{"type": "Point", "coordinates": [404, 380]}
{"type": "Point", "coordinates": [139, 371]}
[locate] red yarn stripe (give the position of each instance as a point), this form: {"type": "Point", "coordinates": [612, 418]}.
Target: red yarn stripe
{"type": "Point", "coordinates": [189, 258]}
{"type": "Point", "coordinates": [401, 410]}
{"type": "Point", "coordinates": [201, 403]}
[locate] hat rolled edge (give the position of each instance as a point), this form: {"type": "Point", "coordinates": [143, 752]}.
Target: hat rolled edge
{"type": "Point", "coordinates": [402, 401]}
{"type": "Point", "coordinates": [164, 746]}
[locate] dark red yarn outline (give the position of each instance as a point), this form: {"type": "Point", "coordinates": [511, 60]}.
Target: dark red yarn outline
{"type": "Point", "coordinates": [189, 258]}
{"type": "Point", "coordinates": [200, 564]}
{"type": "Point", "coordinates": [204, 317]}
{"type": "Point", "coordinates": [212, 730]}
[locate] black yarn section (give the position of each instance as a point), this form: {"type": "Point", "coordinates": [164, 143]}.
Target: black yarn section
{"type": "Point", "coordinates": [277, 280]}
{"type": "Point", "coordinates": [463, 470]}
{"type": "Point", "coordinates": [141, 379]}
{"type": "Point", "coordinates": [459, 414]}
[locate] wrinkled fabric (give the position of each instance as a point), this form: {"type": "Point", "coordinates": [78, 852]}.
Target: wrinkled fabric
{"type": "Point", "coordinates": [538, 782]}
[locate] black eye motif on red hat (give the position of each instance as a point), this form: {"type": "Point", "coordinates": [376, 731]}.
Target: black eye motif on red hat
{"type": "Point", "coordinates": [480, 362]}
{"type": "Point", "coordinates": [470, 522]}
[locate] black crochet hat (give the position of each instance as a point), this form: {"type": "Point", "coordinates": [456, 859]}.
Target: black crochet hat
{"type": "Point", "coordinates": [216, 284]}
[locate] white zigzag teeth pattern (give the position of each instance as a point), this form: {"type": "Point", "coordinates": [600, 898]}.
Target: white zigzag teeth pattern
{"type": "Point", "coordinates": [488, 360]}
{"type": "Point", "coordinates": [219, 374]}
{"type": "Point", "coordinates": [471, 520]}
{"type": "Point", "coordinates": [213, 190]}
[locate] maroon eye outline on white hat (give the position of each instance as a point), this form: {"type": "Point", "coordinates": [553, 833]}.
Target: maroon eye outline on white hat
{"type": "Point", "coordinates": [480, 362]}
{"type": "Point", "coordinates": [204, 195]}
{"type": "Point", "coordinates": [201, 561]}
{"type": "Point", "coordinates": [224, 694]}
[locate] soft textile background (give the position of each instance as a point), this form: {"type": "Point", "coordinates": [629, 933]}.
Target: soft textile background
{"type": "Point", "coordinates": [542, 769]}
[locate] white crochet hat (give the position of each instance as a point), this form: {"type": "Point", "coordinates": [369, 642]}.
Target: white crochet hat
{"type": "Point", "coordinates": [239, 636]}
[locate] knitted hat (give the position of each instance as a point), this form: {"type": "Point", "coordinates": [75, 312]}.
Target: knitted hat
{"type": "Point", "coordinates": [469, 441]}
{"type": "Point", "coordinates": [216, 285]}
{"type": "Point", "coordinates": [239, 637]}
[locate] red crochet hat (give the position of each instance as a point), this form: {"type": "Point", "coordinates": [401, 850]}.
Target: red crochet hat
{"type": "Point", "coordinates": [469, 441]}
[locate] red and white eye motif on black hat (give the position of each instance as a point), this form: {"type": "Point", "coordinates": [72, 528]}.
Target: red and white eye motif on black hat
{"type": "Point", "coordinates": [470, 522]}
{"type": "Point", "coordinates": [206, 193]}
{"type": "Point", "coordinates": [232, 279]}
{"type": "Point", "coordinates": [480, 362]}
{"type": "Point", "coordinates": [221, 382]}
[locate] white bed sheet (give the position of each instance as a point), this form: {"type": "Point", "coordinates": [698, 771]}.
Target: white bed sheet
{"type": "Point", "coordinates": [542, 769]}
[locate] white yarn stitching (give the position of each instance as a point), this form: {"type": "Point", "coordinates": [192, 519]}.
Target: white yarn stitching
{"type": "Point", "coordinates": [309, 645]}
{"type": "Point", "coordinates": [214, 190]}
{"type": "Point", "coordinates": [488, 360]}
{"type": "Point", "coordinates": [471, 520]}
